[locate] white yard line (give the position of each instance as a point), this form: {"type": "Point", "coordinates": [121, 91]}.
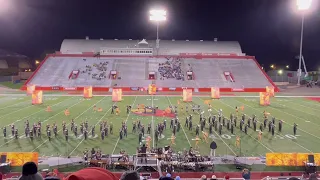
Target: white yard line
{"type": "Point", "coordinates": [290, 139]}
{"type": "Point", "coordinates": [285, 121]}
{"type": "Point", "coordinates": [300, 104]}
{"type": "Point", "coordinates": [37, 112]}
{"type": "Point", "coordinates": [301, 146]}
{"type": "Point", "coordinates": [125, 122]}
{"type": "Point", "coordinates": [69, 123]}
{"type": "Point", "coordinates": [181, 125]}
{"type": "Point", "coordinates": [90, 131]}
{"type": "Point", "coordinates": [30, 115]}
{"type": "Point", "coordinates": [61, 112]}
{"type": "Point", "coordinates": [303, 112]}
{"type": "Point", "coordinates": [303, 106]}
{"type": "Point", "coordinates": [14, 104]}
{"type": "Point", "coordinates": [313, 103]}
{"type": "Point", "coordinates": [12, 112]}
{"type": "Point", "coordinates": [218, 135]}
{"type": "Point", "coordinates": [249, 134]}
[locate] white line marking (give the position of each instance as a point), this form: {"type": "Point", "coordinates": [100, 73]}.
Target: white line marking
{"type": "Point", "coordinates": [70, 122]}
{"type": "Point", "coordinates": [305, 113]}
{"type": "Point", "coordinates": [14, 104]}
{"type": "Point", "coordinates": [290, 124]}
{"type": "Point", "coordinates": [37, 112]}
{"type": "Point", "coordinates": [15, 111]}
{"type": "Point", "coordinates": [299, 104]}
{"type": "Point", "coordinates": [217, 134]}
{"type": "Point", "coordinates": [300, 145]}
{"type": "Point", "coordinates": [61, 112]}
{"type": "Point", "coordinates": [32, 114]}
{"type": "Point", "coordinates": [125, 122]}
{"type": "Point", "coordinates": [247, 134]}
{"type": "Point", "coordinates": [181, 125]}
{"type": "Point", "coordinates": [283, 121]}
{"type": "Point", "coordinates": [90, 131]}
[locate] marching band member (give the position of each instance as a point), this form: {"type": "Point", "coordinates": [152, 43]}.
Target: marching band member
{"type": "Point", "coordinates": [197, 139]}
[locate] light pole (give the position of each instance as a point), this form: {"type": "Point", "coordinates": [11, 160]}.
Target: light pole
{"type": "Point", "coordinates": [158, 16]}
{"type": "Point", "coordinates": [302, 5]}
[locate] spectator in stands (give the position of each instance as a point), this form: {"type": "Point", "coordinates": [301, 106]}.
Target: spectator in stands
{"type": "Point", "coordinates": [177, 178]}
{"type": "Point", "coordinates": [130, 175]}
{"type": "Point", "coordinates": [246, 174]}
{"type": "Point", "coordinates": [1, 176]}
{"type": "Point", "coordinates": [171, 69]}
{"type": "Point", "coordinates": [92, 173]}
{"type": "Point", "coordinates": [203, 177]}
{"type": "Point", "coordinates": [30, 172]}
{"type": "Point", "coordinates": [227, 177]}
{"type": "Point", "coordinates": [213, 177]}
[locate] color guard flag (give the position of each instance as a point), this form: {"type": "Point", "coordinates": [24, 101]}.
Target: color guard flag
{"type": "Point", "coordinates": [152, 89]}
{"type": "Point", "coordinates": [30, 89]}
{"type": "Point", "coordinates": [87, 92]}
{"type": "Point", "coordinates": [215, 93]}
{"type": "Point", "coordinates": [270, 90]}
{"type": "Point", "coordinates": [187, 95]}
{"type": "Point", "coordinates": [37, 97]}
{"type": "Point", "coordinates": [116, 95]}
{"type": "Point", "coordinates": [264, 99]}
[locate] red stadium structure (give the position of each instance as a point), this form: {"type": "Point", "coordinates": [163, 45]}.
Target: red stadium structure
{"type": "Point", "coordinates": [211, 63]}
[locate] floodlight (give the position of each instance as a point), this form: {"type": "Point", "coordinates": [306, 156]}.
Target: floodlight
{"type": "Point", "coordinates": [158, 15]}
{"type": "Point", "coordinates": [37, 62]}
{"type": "Point", "coordinates": [287, 66]}
{"type": "Point", "coordinates": [271, 66]}
{"type": "Point", "coordinates": [280, 71]}
{"type": "Point", "coordinates": [304, 4]}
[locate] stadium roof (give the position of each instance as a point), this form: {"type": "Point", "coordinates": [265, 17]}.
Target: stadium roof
{"type": "Point", "coordinates": [169, 46]}
{"type": "Point", "coordinates": [5, 53]}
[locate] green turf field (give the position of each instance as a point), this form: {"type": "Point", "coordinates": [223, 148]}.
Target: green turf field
{"type": "Point", "coordinates": [17, 109]}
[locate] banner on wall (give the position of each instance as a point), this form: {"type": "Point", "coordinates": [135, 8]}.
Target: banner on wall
{"type": "Point", "coordinates": [187, 95]}
{"type": "Point", "coordinates": [215, 93]}
{"type": "Point", "coordinates": [70, 88]}
{"type": "Point", "coordinates": [290, 159]}
{"type": "Point", "coordinates": [20, 158]}
{"type": "Point", "coordinates": [87, 92]}
{"type": "Point", "coordinates": [270, 90]}
{"type": "Point", "coordinates": [37, 97]}
{"type": "Point", "coordinates": [264, 99]}
{"type": "Point", "coordinates": [116, 95]}
{"type": "Point", "coordinates": [135, 89]}
{"type": "Point", "coordinates": [55, 87]}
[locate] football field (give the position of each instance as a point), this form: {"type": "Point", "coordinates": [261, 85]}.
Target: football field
{"type": "Point", "coordinates": [17, 109]}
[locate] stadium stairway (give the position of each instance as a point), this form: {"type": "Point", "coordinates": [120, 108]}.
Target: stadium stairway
{"type": "Point", "coordinates": [132, 72]}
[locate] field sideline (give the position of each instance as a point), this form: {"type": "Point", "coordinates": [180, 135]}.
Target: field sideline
{"type": "Point", "coordinates": [17, 109]}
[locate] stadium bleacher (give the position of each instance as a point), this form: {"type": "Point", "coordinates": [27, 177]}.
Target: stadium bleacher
{"type": "Point", "coordinates": [133, 72]}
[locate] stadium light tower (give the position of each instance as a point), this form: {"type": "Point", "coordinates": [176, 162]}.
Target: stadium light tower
{"type": "Point", "coordinates": [158, 16]}
{"type": "Point", "coordinates": [302, 5]}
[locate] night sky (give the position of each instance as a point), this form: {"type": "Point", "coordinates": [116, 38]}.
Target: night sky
{"type": "Point", "coordinates": [267, 29]}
